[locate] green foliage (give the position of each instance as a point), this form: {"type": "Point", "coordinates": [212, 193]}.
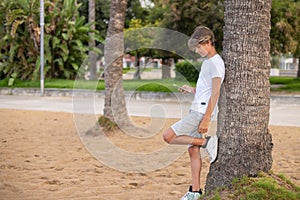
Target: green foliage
{"type": "Point", "coordinates": [160, 85]}
{"type": "Point", "coordinates": [184, 16]}
{"type": "Point", "coordinates": [135, 38]}
{"type": "Point", "coordinates": [154, 87]}
{"type": "Point", "coordinates": [265, 186]}
{"type": "Point", "coordinates": [289, 84]}
{"type": "Point", "coordinates": [106, 124]}
{"type": "Point", "coordinates": [65, 40]}
{"type": "Point", "coordinates": [285, 29]}
{"type": "Point", "coordinates": [275, 62]}
{"type": "Point", "coordinates": [188, 71]}
{"type": "Point", "coordinates": [19, 38]}
{"type": "Point", "coordinates": [133, 11]}
{"type": "Point", "coordinates": [136, 11]}
{"type": "Point", "coordinates": [101, 15]}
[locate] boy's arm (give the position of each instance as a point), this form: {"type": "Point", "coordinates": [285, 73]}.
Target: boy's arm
{"type": "Point", "coordinates": [216, 86]}
{"type": "Point", "coordinates": [188, 89]}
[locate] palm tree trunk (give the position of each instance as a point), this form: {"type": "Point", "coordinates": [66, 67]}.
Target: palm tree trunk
{"type": "Point", "coordinates": [245, 144]}
{"type": "Point", "coordinates": [92, 55]}
{"type": "Point", "coordinates": [166, 68]}
{"type": "Point", "coordinates": [137, 74]}
{"type": "Point", "coordinates": [114, 105]}
{"type": "Point", "coordinates": [298, 72]}
{"type": "Point", "coordinates": [298, 55]}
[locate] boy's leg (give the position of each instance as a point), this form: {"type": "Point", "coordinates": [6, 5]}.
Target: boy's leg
{"type": "Point", "coordinates": [196, 164]}
{"type": "Point", "coordinates": [194, 153]}
{"type": "Point", "coordinates": [185, 132]}
{"type": "Point", "coordinates": [171, 138]}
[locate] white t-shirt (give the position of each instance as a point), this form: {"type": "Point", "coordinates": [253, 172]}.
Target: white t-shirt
{"type": "Point", "coordinates": [211, 68]}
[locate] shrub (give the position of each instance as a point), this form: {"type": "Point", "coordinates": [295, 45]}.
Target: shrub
{"type": "Point", "coordinates": [65, 39]}
{"type": "Point", "coordinates": [187, 70]}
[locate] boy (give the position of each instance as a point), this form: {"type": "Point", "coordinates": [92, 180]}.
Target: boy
{"type": "Point", "coordinates": [189, 130]}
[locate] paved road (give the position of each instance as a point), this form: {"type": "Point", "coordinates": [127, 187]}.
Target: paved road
{"type": "Point", "coordinates": [284, 111]}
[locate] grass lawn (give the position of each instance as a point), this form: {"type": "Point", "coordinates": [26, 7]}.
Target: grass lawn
{"type": "Point", "coordinates": [157, 85]}
{"type": "Point", "coordinates": [288, 84]}
{"type": "Point", "coordinates": [265, 186]}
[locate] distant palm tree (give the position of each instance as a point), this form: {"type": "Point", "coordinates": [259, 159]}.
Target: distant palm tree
{"type": "Point", "coordinates": [245, 144]}
{"type": "Point", "coordinates": [92, 54]}
{"type": "Point", "coordinates": [114, 105]}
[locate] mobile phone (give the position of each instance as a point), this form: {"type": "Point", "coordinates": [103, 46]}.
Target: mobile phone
{"type": "Point", "coordinates": [181, 89]}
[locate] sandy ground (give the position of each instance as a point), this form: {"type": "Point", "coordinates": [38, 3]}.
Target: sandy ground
{"type": "Point", "coordinates": [42, 157]}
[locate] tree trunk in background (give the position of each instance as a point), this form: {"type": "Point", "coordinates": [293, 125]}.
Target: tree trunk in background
{"type": "Point", "coordinates": [298, 72]}
{"type": "Point", "coordinates": [137, 74]}
{"type": "Point", "coordinates": [166, 68]}
{"type": "Point", "coordinates": [115, 106]}
{"type": "Point", "coordinates": [92, 55]}
{"type": "Point", "coordinates": [245, 143]}
{"type": "Point", "coordinates": [297, 56]}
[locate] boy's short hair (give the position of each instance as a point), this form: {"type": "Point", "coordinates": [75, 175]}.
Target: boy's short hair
{"type": "Point", "coordinates": [201, 35]}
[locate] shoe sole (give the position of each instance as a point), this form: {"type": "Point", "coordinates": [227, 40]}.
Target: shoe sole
{"type": "Point", "coordinates": [213, 144]}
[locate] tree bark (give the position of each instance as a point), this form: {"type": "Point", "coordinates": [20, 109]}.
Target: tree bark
{"type": "Point", "coordinates": [114, 105]}
{"type": "Point", "coordinates": [137, 74]}
{"type": "Point", "coordinates": [245, 143]}
{"type": "Point", "coordinates": [166, 68]}
{"type": "Point", "coordinates": [92, 55]}
{"type": "Point", "coordinates": [298, 72]}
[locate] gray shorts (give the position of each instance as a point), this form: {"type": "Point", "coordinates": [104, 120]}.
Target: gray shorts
{"type": "Point", "coordinates": [188, 125]}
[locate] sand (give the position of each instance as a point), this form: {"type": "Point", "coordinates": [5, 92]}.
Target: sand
{"type": "Point", "coordinates": [42, 157]}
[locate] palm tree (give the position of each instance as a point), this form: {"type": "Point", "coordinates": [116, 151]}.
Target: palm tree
{"type": "Point", "coordinates": [114, 105]}
{"type": "Point", "coordinates": [92, 44]}
{"type": "Point", "coordinates": [245, 144]}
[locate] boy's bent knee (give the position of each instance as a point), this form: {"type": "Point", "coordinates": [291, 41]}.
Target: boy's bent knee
{"type": "Point", "coordinates": [194, 150]}
{"type": "Point", "coordinates": [169, 136]}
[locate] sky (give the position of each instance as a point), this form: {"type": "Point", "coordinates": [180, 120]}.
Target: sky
{"type": "Point", "coordinates": [146, 3]}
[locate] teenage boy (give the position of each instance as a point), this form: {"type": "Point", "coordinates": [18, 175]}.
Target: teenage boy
{"type": "Point", "coordinates": [189, 130]}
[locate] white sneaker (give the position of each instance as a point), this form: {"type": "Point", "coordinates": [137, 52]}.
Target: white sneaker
{"type": "Point", "coordinates": [212, 148]}
{"type": "Point", "coordinates": [191, 195]}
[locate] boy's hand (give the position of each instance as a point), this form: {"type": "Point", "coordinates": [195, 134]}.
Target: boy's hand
{"type": "Point", "coordinates": [186, 89]}
{"type": "Point", "coordinates": [204, 125]}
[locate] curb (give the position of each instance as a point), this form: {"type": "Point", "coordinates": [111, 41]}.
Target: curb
{"type": "Point", "coordinates": [54, 92]}
{"type": "Point", "coordinates": [137, 95]}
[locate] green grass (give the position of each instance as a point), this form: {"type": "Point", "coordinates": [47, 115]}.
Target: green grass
{"type": "Point", "coordinates": [265, 186]}
{"type": "Point", "coordinates": [157, 85]}
{"type": "Point", "coordinates": [288, 84]}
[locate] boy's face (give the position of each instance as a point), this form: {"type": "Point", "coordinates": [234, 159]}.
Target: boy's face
{"type": "Point", "coordinates": [202, 49]}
